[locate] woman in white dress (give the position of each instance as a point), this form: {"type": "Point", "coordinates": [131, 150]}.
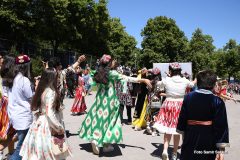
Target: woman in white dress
{"type": "Point", "coordinates": [49, 121]}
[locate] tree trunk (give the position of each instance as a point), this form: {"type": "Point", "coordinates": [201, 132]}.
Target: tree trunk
{"type": "Point", "coordinates": [55, 45]}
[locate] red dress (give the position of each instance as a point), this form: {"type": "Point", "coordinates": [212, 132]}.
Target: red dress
{"type": "Point", "coordinates": [79, 104]}
{"type": "Point", "coordinates": [5, 125]}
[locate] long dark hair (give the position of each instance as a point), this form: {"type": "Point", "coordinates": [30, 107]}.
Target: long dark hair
{"type": "Point", "coordinates": [154, 79]}
{"type": "Point", "coordinates": [25, 69]}
{"type": "Point", "coordinates": [101, 76]}
{"type": "Point", "coordinates": [8, 70]}
{"type": "Point", "coordinates": [48, 79]}
{"type": "Point", "coordinates": [175, 72]}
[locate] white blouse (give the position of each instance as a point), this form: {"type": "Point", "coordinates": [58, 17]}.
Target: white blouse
{"type": "Point", "coordinates": [175, 86]}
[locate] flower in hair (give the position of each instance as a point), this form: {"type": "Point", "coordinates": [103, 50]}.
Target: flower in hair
{"type": "Point", "coordinates": [22, 59]}
{"type": "Point", "coordinates": [105, 58]}
{"type": "Point", "coordinates": [175, 65]}
{"type": "Point", "coordinates": [156, 71]}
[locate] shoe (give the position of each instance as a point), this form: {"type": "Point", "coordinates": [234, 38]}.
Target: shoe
{"type": "Point", "coordinates": [148, 129]}
{"type": "Point", "coordinates": [108, 148]}
{"type": "Point", "coordinates": [95, 147]}
{"type": "Point", "coordinates": [9, 156]}
{"type": "Point", "coordinates": [165, 156]}
{"type": "Point", "coordinates": [137, 128]}
{"type": "Point", "coordinates": [154, 134]}
{"type": "Point", "coordinates": [174, 156]}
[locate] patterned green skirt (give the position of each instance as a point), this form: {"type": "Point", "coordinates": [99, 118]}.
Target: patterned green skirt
{"type": "Point", "coordinates": [102, 122]}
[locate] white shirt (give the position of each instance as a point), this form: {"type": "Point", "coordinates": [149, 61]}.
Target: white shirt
{"type": "Point", "coordinates": [175, 86]}
{"type": "Point", "coordinates": [19, 97]}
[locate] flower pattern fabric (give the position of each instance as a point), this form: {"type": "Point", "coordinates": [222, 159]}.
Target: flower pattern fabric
{"type": "Point", "coordinates": [38, 142]}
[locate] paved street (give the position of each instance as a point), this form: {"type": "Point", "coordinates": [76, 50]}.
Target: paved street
{"type": "Point", "coordinates": [136, 145]}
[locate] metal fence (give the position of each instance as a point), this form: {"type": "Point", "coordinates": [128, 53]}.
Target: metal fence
{"type": "Point", "coordinates": [67, 57]}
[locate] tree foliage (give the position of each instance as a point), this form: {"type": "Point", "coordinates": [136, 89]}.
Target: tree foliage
{"type": "Point", "coordinates": [163, 40]}
{"type": "Point", "coordinates": [85, 26]}
{"type": "Point", "coordinates": [232, 56]}
{"type": "Point", "coordinates": [15, 21]}
{"type": "Point", "coordinates": [121, 45]}
{"type": "Point", "coordinates": [89, 23]}
{"type": "Point", "coordinates": [200, 50]}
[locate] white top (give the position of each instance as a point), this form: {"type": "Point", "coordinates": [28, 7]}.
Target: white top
{"type": "Point", "coordinates": [55, 118]}
{"type": "Point", "coordinates": [175, 86]}
{"type": "Point", "coordinates": [19, 97]}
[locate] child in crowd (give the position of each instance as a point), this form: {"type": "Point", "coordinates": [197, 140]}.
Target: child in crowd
{"type": "Point", "coordinates": [79, 105]}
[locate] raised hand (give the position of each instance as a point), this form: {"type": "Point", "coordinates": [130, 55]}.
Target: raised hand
{"type": "Point", "coordinates": [81, 58]}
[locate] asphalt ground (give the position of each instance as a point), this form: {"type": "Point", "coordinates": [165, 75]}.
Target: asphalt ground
{"type": "Point", "coordinates": [137, 145]}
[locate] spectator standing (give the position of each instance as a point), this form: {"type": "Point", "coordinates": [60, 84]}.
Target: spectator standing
{"type": "Point", "coordinates": [203, 121]}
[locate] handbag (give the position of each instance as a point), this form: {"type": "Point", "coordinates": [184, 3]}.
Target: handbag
{"type": "Point", "coordinates": [59, 145]}
{"type": "Point", "coordinates": [155, 102]}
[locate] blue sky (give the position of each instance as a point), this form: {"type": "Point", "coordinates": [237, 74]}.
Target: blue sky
{"type": "Point", "coordinates": [218, 18]}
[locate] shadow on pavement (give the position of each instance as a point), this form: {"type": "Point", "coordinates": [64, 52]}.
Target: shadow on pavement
{"type": "Point", "coordinates": [88, 147]}
{"type": "Point", "coordinates": [125, 145]}
{"type": "Point", "coordinates": [68, 134]}
{"type": "Point", "coordinates": [159, 150]}
{"type": "Point", "coordinates": [116, 152]}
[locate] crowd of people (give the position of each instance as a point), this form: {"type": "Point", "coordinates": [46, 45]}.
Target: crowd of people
{"type": "Point", "coordinates": [32, 112]}
{"type": "Point", "coordinates": [234, 88]}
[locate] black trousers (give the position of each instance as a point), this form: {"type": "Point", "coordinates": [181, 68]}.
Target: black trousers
{"type": "Point", "coordinates": [129, 113]}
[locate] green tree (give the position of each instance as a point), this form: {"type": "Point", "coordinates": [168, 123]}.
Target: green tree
{"type": "Point", "coordinates": [232, 56]}
{"type": "Point", "coordinates": [121, 44]}
{"type": "Point", "coordinates": [134, 58]}
{"type": "Point", "coordinates": [163, 39]}
{"type": "Point", "coordinates": [219, 61]}
{"type": "Point", "coordinates": [89, 25]}
{"type": "Point", "coordinates": [15, 21]}
{"type": "Point", "coordinates": [50, 17]}
{"type": "Point", "coordinates": [37, 66]}
{"type": "Point", "coordinates": [200, 50]}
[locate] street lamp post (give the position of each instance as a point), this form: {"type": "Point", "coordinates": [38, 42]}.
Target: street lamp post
{"type": "Point", "coordinates": [135, 59]}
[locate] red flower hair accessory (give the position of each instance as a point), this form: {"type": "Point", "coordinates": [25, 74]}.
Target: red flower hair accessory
{"type": "Point", "coordinates": [105, 59]}
{"type": "Point", "coordinates": [22, 59]}
{"type": "Point", "coordinates": [156, 71]}
{"type": "Point", "coordinates": [175, 65]}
